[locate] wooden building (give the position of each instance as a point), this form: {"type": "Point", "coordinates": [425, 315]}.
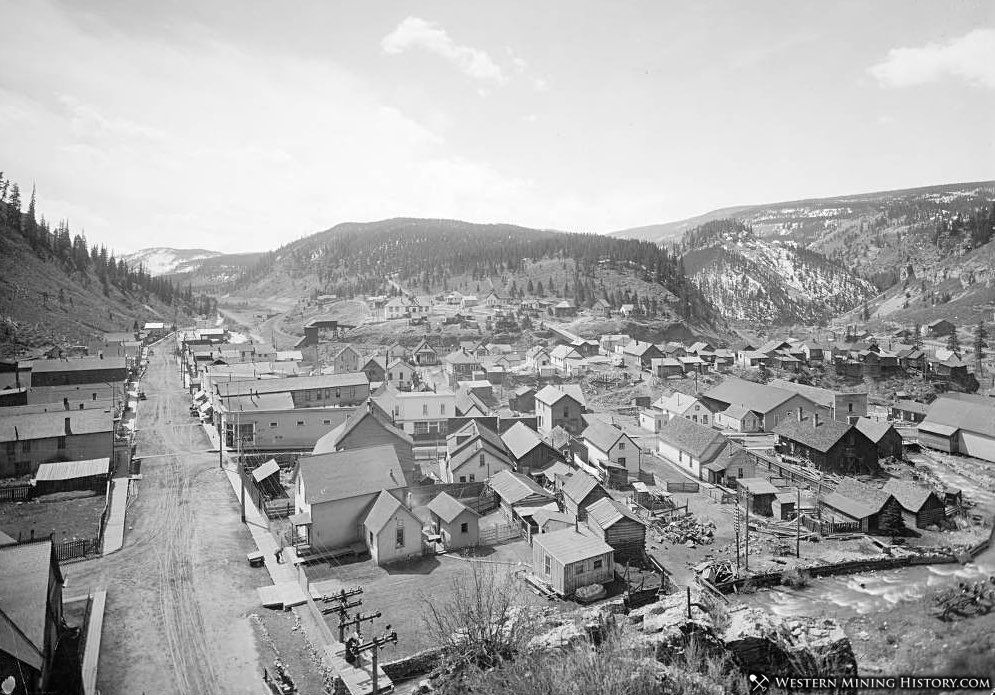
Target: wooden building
{"type": "Point", "coordinates": [874, 510]}
{"type": "Point", "coordinates": [457, 524]}
{"type": "Point", "coordinates": [72, 475]}
{"type": "Point", "coordinates": [832, 446]}
{"type": "Point", "coordinates": [885, 437]}
{"type": "Point", "coordinates": [569, 559]}
{"type": "Point", "coordinates": [616, 525]}
{"type": "Point", "coordinates": [530, 454]}
{"type": "Point", "coordinates": [580, 492]}
{"type": "Point", "coordinates": [392, 532]}
{"type": "Point", "coordinates": [921, 507]}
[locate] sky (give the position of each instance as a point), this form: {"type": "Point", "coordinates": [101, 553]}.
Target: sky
{"type": "Point", "coordinates": [240, 125]}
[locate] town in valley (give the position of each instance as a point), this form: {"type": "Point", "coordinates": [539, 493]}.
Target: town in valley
{"type": "Point", "coordinates": [751, 451]}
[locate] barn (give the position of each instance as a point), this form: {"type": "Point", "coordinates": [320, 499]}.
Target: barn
{"type": "Point", "coordinates": [885, 437]}
{"type": "Point", "coordinates": [960, 424]}
{"type": "Point", "coordinates": [876, 511]}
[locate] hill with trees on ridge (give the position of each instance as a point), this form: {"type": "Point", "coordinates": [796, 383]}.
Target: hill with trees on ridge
{"type": "Point", "coordinates": [56, 288]}
{"type": "Point", "coordinates": [768, 281]}
{"type": "Point", "coordinates": [430, 256]}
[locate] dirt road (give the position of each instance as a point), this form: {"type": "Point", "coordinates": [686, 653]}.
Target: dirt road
{"type": "Point", "coordinates": [179, 593]}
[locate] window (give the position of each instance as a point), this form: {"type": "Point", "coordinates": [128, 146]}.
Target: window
{"type": "Point", "coordinates": [94, 396]}
{"type": "Point", "coordinates": [326, 422]}
{"type": "Point", "coordinates": [62, 443]}
{"type": "Point", "coordinates": [371, 537]}
{"type": "Point", "coordinates": [621, 460]}
{"type": "Point", "coordinates": [300, 423]}
{"type": "Point", "coordinates": [694, 418]}
{"type": "Point", "coordinates": [621, 446]}
{"type": "Point", "coordinates": [399, 536]}
{"type": "Point", "coordinates": [274, 424]}
{"type": "Point", "coordinates": [704, 419]}
{"type": "Point", "coordinates": [424, 409]}
{"type": "Point", "coordinates": [598, 564]}
{"type": "Point", "coordinates": [442, 409]}
{"type": "Point", "coordinates": [849, 407]}
{"type": "Point", "coordinates": [579, 569]}
{"type": "Point", "coordinates": [739, 472]}
{"type": "Point", "coordinates": [566, 411]}
{"type": "Point", "coordinates": [546, 564]}
{"type": "Point", "coordinates": [462, 478]}
{"type": "Point", "coordinates": [483, 459]}
{"type": "Point", "coordinates": [390, 376]}
{"type": "Point", "coordinates": [472, 477]}
{"type": "Point", "coordinates": [464, 527]}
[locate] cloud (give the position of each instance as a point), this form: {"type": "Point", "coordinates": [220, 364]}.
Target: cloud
{"type": "Point", "coordinates": [415, 32]}
{"type": "Point", "coordinates": [970, 57]}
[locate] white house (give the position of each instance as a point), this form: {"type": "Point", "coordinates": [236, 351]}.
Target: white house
{"type": "Point", "coordinates": [608, 446]}
{"type": "Point", "coordinates": [679, 404]}
{"type": "Point", "coordinates": [400, 374]}
{"type": "Point", "coordinates": [421, 414]}
{"type": "Point", "coordinates": [392, 531]}
{"type": "Point", "coordinates": [566, 359]}
{"type": "Point", "coordinates": [690, 445]}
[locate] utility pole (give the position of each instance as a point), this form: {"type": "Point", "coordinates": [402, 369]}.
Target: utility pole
{"type": "Point", "coordinates": [798, 523]}
{"type": "Point", "coordinates": [747, 530]}
{"type": "Point", "coordinates": [357, 622]}
{"type": "Point", "coordinates": [374, 645]}
{"type": "Point", "coordinates": [341, 608]}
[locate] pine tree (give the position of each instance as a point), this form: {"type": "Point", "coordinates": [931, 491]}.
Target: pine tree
{"type": "Point", "coordinates": [953, 343]}
{"type": "Point", "coordinates": [917, 335]}
{"type": "Point", "coordinates": [980, 342]}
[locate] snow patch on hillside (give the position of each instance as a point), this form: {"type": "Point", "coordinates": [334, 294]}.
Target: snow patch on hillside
{"type": "Point", "coordinates": [160, 260]}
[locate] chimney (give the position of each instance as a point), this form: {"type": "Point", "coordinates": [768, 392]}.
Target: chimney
{"type": "Point", "coordinates": [65, 402]}
{"type": "Point", "coordinates": [69, 427]}
{"type": "Point", "coordinates": [815, 419]}
{"type": "Point", "coordinates": [801, 414]}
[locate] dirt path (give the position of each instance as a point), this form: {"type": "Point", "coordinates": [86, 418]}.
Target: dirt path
{"type": "Point", "coordinates": [179, 593]}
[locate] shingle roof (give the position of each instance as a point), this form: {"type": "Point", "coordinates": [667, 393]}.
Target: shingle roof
{"type": "Point", "coordinates": [447, 507]}
{"type": "Point", "coordinates": [731, 455]}
{"type": "Point", "coordinates": [875, 430]}
{"type": "Point", "coordinates": [513, 487]}
{"type": "Point", "coordinates": [329, 442]}
{"type": "Point", "coordinates": [602, 435]}
{"type": "Point", "coordinates": [821, 438]}
{"type": "Point", "coordinates": [77, 364]}
{"type": "Point", "coordinates": [565, 352]}
{"type": "Point", "coordinates": [911, 406]}
{"type": "Point", "coordinates": [759, 398]}
{"type": "Point", "coordinates": [68, 470]}
{"type": "Point", "coordinates": [344, 474]}
{"type": "Point", "coordinates": [701, 441]}
{"type": "Point", "coordinates": [857, 499]}
{"type": "Point", "coordinates": [606, 512]}
{"type": "Point", "coordinates": [520, 439]}
{"type": "Point", "coordinates": [53, 424]}
{"type": "Point", "coordinates": [912, 497]}
{"type": "Point", "coordinates": [639, 348]}
{"type": "Point", "coordinates": [579, 486]}
{"type": "Point", "coordinates": [24, 573]}
{"type": "Point", "coordinates": [569, 546]}
{"type": "Point", "coordinates": [382, 511]}
{"type": "Point", "coordinates": [550, 395]}
{"type": "Point", "coordinates": [541, 516]}
{"type": "Point", "coordinates": [966, 415]}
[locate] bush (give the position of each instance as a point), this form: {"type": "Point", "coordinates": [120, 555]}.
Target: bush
{"type": "Point", "coordinates": [796, 578]}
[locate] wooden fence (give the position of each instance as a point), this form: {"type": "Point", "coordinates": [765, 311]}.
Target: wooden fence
{"type": "Point", "coordinates": [501, 533]}
{"type": "Point", "coordinates": [829, 527]}
{"type": "Point", "coordinates": [682, 487]}
{"type": "Point", "coordinates": [13, 493]}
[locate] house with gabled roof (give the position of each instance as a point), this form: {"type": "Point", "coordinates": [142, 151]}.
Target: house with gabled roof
{"type": "Point", "coordinates": [365, 428]}
{"type": "Point", "coordinates": [839, 405]}
{"type": "Point", "coordinates": [529, 452]}
{"type": "Point", "coordinates": [523, 400]}
{"type": "Point", "coordinates": [679, 404]}
{"type": "Point", "coordinates": [831, 446]}
{"type": "Point", "coordinates": [885, 437]}
{"type": "Point", "coordinates": [770, 403]}
{"type": "Point", "coordinates": [392, 531]}
{"type": "Point", "coordinates": [474, 453]}
{"type": "Point", "coordinates": [519, 496]}
{"type": "Point", "coordinates": [460, 365]}
{"type": "Point", "coordinates": [375, 368]}
{"type": "Point", "coordinates": [560, 406]}
{"type": "Point", "coordinates": [400, 374]}
{"type": "Point", "coordinates": [608, 446]}
{"type": "Point", "coordinates": [738, 418]}
{"type": "Point", "coordinates": [921, 506]}
{"type": "Point", "coordinates": [619, 527]}
{"type": "Point", "coordinates": [960, 426]}
{"type": "Point", "coordinates": [640, 354]}
{"type": "Point", "coordinates": [566, 359]}
{"type": "Point", "coordinates": [689, 444]}
{"type": "Point", "coordinates": [424, 354]}
{"type": "Point", "coordinates": [335, 491]}
{"type": "Point", "coordinates": [456, 524]}
{"type": "Point", "coordinates": [569, 558]}
{"type": "Point", "coordinates": [579, 492]}
{"type": "Point", "coordinates": [347, 360]}
{"type": "Point", "coordinates": [733, 463]}
{"type": "Point", "coordinates": [875, 510]}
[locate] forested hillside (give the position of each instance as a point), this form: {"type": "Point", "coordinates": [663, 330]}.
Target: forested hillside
{"type": "Point", "coordinates": [769, 281]}
{"type": "Point", "coordinates": [57, 288]}
{"type": "Point", "coordinates": [428, 256]}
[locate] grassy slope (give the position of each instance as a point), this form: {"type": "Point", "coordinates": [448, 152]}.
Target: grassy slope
{"type": "Point", "coordinates": [24, 278]}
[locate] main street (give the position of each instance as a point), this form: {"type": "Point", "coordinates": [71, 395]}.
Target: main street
{"type": "Point", "coordinates": [179, 593]}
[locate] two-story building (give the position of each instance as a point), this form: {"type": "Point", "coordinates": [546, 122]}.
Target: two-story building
{"type": "Point", "coordinates": [30, 439]}
{"type": "Point", "coordinates": [423, 415]}
{"type": "Point", "coordinates": [560, 406]}
{"type": "Point", "coordinates": [609, 447]}
{"type": "Point", "coordinates": [840, 405]}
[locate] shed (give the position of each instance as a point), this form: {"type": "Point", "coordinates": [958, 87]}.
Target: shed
{"type": "Point", "coordinates": [874, 510]}
{"type": "Point", "coordinates": [458, 525]}
{"type": "Point", "coordinates": [392, 531]}
{"type": "Point", "coordinates": [569, 559]}
{"type": "Point", "coordinates": [762, 493]}
{"type": "Point", "coordinates": [60, 476]}
{"type": "Point", "coordinates": [616, 525]}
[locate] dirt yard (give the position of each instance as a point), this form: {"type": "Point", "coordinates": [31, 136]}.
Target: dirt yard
{"type": "Point", "coordinates": [179, 593]}
{"type": "Point", "coordinates": [64, 515]}
{"type": "Point", "coordinates": [399, 591]}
